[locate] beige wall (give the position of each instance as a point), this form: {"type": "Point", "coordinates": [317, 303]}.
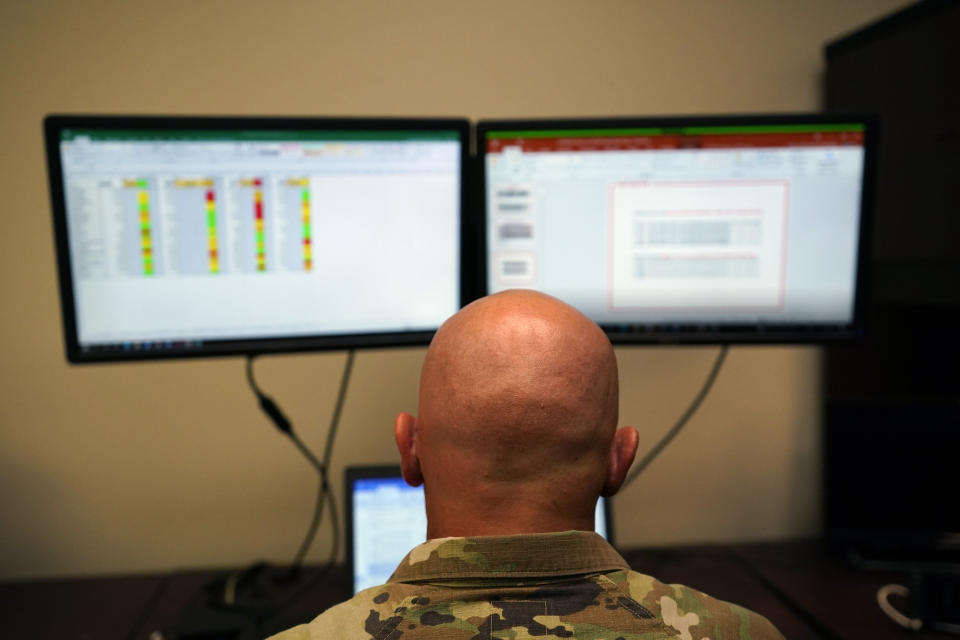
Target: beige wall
{"type": "Point", "coordinates": [132, 467]}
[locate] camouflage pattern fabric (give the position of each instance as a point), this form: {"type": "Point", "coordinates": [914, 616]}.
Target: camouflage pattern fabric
{"type": "Point", "coordinates": [559, 585]}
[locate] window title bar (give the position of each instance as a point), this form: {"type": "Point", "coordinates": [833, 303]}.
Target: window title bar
{"type": "Point", "coordinates": [697, 137]}
{"type": "Point", "coordinates": [254, 135]}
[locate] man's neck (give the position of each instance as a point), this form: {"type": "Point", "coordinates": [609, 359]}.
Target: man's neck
{"type": "Point", "coordinates": [446, 523]}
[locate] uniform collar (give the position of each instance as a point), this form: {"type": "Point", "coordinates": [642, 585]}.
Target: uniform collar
{"type": "Point", "coordinates": [517, 556]}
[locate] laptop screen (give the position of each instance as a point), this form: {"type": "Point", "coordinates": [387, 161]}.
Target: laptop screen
{"type": "Point", "coordinates": [386, 518]}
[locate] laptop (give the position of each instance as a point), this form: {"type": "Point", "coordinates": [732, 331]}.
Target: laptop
{"type": "Point", "coordinates": [386, 517]}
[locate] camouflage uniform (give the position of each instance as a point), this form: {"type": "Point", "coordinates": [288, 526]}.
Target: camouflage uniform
{"type": "Point", "coordinates": [558, 585]}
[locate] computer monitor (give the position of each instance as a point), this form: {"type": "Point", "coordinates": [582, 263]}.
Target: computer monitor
{"type": "Point", "coordinates": [684, 229]}
{"type": "Point", "coordinates": [196, 236]}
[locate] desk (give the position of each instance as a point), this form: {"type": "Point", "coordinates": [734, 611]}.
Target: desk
{"type": "Point", "coordinates": [794, 584]}
{"type": "Point", "coordinates": [805, 594]}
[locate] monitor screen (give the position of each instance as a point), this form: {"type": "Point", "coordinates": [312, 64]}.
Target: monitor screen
{"type": "Point", "coordinates": [211, 236]}
{"type": "Point", "coordinates": [704, 229]}
{"type": "Point", "coordinates": [386, 518]}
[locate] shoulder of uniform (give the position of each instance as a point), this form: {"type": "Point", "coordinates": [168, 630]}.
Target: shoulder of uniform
{"type": "Point", "coordinates": [690, 611]}
{"type": "Point", "coordinates": [356, 618]}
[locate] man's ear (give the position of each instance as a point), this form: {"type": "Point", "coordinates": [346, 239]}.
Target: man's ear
{"type": "Point", "coordinates": [622, 451]}
{"type": "Point", "coordinates": [405, 433]}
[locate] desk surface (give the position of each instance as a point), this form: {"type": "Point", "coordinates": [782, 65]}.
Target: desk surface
{"type": "Point", "coordinates": [804, 593]}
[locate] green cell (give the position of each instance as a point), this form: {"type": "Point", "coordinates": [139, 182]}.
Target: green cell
{"type": "Point", "coordinates": [306, 229]}
{"type": "Point", "coordinates": [211, 219]}
{"type": "Point", "coordinates": [142, 184]}
{"type": "Point", "coordinates": [144, 207]}
{"type": "Point", "coordinates": [305, 195]}
{"type": "Point", "coordinates": [694, 130]}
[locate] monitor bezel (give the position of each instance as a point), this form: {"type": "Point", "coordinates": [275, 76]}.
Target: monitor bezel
{"type": "Point", "coordinates": [55, 124]}
{"type": "Point", "coordinates": [689, 333]}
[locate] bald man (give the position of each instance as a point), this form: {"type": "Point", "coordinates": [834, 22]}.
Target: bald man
{"type": "Point", "coordinates": [516, 438]}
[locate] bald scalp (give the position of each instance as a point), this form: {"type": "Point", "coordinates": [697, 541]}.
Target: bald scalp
{"type": "Point", "coordinates": [518, 387]}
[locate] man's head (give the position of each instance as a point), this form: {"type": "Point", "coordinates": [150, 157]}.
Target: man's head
{"type": "Point", "coordinates": [517, 428]}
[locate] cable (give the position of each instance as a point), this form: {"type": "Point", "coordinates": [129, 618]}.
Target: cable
{"type": "Point", "coordinates": [883, 595]}
{"type": "Point", "coordinates": [282, 423]}
{"type": "Point", "coordinates": [322, 571]}
{"type": "Point", "coordinates": [322, 494]}
{"type": "Point", "coordinates": [324, 482]}
{"type": "Point", "coordinates": [672, 433]}
{"type": "Point", "coordinates": [148, 606]}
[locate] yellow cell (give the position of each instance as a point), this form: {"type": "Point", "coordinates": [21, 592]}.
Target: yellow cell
{"type": "Point", "coordinates": [203, 182]}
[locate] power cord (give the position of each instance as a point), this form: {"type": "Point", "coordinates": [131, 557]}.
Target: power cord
{"type": "Point", "coordinates": [682, 421]}
{"type": "Point", "coordinates": [321, 497]}
{"type": "Point", "coordinates": [283, 424]}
